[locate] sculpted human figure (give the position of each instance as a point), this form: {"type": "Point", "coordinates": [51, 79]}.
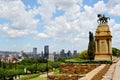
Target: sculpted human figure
{"type": "Point", "coordinates": [102, 19]}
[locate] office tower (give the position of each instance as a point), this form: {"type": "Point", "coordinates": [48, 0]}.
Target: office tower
{"type": "Point", "coordinates": [56, 56]}
{"type": "Point", "coordinates": [69, 54]}
{"type": "Point", "coordinates": [74, 52]}
{"type": "Point", "coordinates": [42, 54]}
{"type": "Point", "coordinates": [35, 52]}
{"type": "Point", "coordinates": [46, 51]}
{"type": "Point", "coordinates": [62, 53]}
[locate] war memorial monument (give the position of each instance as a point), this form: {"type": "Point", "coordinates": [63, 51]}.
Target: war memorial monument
{"type": "Point", "coordinates": [103, 39]}
{"type": "Point", "coordinates": [90, 68]}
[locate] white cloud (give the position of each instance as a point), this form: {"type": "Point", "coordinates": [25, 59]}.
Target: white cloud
{"type": "Point", "coordinates": [47, 7]}
{"type": "Point", "coordinates": [66, 4]}
{"type": "Point", "coordinates": [115, 31]}
{"type": "Point", "coordinates": [42, 35]}
{"type": "Point", "coordinates": [112, 3]}
{"type": "Point", "coordinates": [115, 10]}
{"type": "Point", "coordinates": [100, 6]}
{"type": "Point", "coordinates": [72, 26]}
{"type": "Point", "coordinates": [113, 7]}
{"type": "Point", "coordinates": [21, 23]}
{"type": "Point", "coordinates": [116, 27]}
{"type": "Point", "coordinates": [11, 33]}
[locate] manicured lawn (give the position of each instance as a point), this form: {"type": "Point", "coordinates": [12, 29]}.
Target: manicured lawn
{"type": "Point", "coordinates": [39, 78]}
{"type": "Point", "coordinates": [56, 71]}
{"type": "Point", "coordinates": [76, 60]}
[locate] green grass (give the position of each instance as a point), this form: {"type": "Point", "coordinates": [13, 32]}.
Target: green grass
{"type": "Point", "coordinates": [88, 61]}
{"type": "Point", "coordinates": [39, 78]}
{"type": "Point", "coordinates": [33, 77]}
{"type": "Point", "coordinates": [28, 77]}
{"type": "Point", "coordinates": [56, 71]}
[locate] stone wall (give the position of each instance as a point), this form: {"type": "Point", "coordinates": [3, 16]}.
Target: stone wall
{"type": "Point", "coordinates": [72, 71]}
{"type": "Point", "coordinates": [64, 77]}
{"type": "Point", "coordinates": [77, 68]}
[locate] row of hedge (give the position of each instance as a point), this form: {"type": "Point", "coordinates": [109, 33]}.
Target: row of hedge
{"type": "Point", "coordinates": [89, 61]}
{"type": "Point", "coordinates": [29, 77]}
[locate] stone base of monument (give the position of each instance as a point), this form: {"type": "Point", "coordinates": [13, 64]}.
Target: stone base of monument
{"type": "Point", "coordinates": [103, 42]}
{"type": "Point", "coordinates": [103, 57]}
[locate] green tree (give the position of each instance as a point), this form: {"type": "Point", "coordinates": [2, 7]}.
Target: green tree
{"type": "Point", "coordinates": [41, 60]}
{"type": "Point", "coordinates": [10, 65]}
{"type": "Point", "coordinates": [0, 63]}
{"type": "Point", "coordinates": [60, 59]}
{"type": "Point", "coordinates": [115, 51]}
{"type": "Point", "coordinates": [91, 47]}
{"type": "Point", "coordinates": [21, 66]}
{"type": "Point", "coordinates": [42, 67]}
{"type": "Point", "coordinates": [55, 64]}
{"type": "Point", "coordinates": [2, 74]}
{"type": "Point", "coordinates": [27, 61]}
{"type": "Point", "coordinates": [82, 55]}
{"type": "Point", "coordinates": [32, 68]}
{"type": "Point", "coordinates": [4, 65]}
{"type": "Point", "coordinates": [30, 61]}
{"type": "Point", "coordinates": [10, 73]}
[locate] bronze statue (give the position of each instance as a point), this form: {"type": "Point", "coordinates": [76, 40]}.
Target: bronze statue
{"type": "Point", "coordinates": [102, 19]}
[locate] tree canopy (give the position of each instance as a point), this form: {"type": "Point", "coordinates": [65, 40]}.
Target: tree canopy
{"type": "Point", "coordinates": [115, 51]}
{"type": "Point", "coordinates": [82, 55]}
{"type": "Point", "coordinates": [91, 47]}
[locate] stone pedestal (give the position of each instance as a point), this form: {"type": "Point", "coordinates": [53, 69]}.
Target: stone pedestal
{"type": "Point", "coordinates": [103, 43]}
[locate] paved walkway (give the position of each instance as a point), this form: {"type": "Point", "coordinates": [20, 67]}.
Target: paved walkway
{"type": "Point", "coordinates": [92, 73]}
{"type": "Point", "coordinates": [109, 73]}
{"type": "Point", "coordinates": [45, 75]}
{"type": "Point", "coordinates": [116, 75]}
{"type": "Point", "coordinates": [113, 72]}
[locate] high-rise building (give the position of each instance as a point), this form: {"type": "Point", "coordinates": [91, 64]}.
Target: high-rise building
{"type": "Point", "coordinates": [62, 53]}
{"type": "Point", "coordinates": [46, 51]}
{"type": "Point", "coordinates": [56, 56]}
{"type": "Point", "coordinates": [42, 54]}
{"type": "Point", "coordinates": [74, 52]}
{"type": "Point", "coordinates": [69, 54]}
{"type": "Point", "coordinates": [35, 52]}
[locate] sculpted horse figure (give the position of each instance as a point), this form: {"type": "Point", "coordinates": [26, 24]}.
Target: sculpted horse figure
{"type": "Point", "coordinates": [102, 19]}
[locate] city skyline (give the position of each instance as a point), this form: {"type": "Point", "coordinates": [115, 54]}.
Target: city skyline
{"type": "Point", "coordinates": [35, 51]}
{"type": "Point", "coordinates": [61, 24]}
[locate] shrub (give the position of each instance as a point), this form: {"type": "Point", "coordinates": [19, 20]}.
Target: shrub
{"type": "Point", "coordinates": [30, 77]}
{"type": "Point", "coordinates": [55, 64]}
{"type": "Point", "coordinates": [10, 73]}
{"type": "Point", "coordinates": [42, 67]}
{"type": "Point", "coordinates": [90, 61]}
{"type": "Point", "coordinates": [32, 68]}
{"type": "Point", "coordinates": [2, 73]}
{"type": "Point", "coordinates": [82, 55]}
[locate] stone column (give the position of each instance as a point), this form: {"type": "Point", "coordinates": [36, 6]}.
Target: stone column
{"type": "Point", "coordinates": [98, 45]}
{"type": "Point", "coordinates": [110, 47]}
{"type": "Point", "coordinates": [96, 41]}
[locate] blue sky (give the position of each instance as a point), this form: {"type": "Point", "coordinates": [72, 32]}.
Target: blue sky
{"type": "Point", "coordinates": [61, 24]}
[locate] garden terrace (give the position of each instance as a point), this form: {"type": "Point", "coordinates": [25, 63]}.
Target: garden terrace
{"type": "Point", "coordinates": [74, 69]}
